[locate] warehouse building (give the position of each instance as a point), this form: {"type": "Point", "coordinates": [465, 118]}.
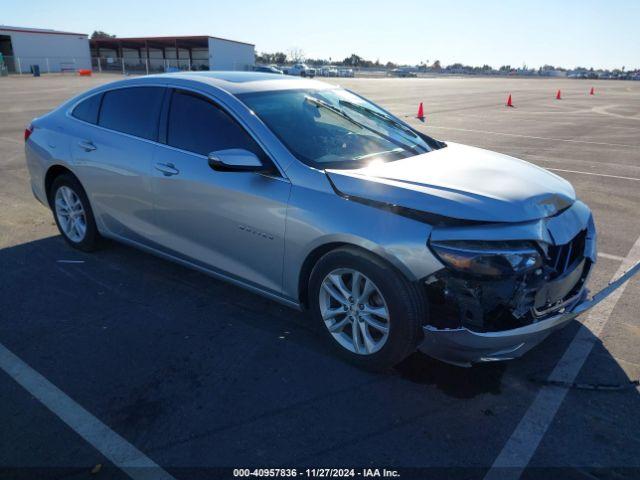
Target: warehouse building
{"type": "Point", "coordinates": [50, 50]}
{"type": "Point", "coordinates": [161, 54]}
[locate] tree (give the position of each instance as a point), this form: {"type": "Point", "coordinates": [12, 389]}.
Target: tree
{"type": "Point", "coordinates": [353, 60]}
{"type": "Point", "coordinates": [295, 55]}
{"type": "Point", "coordinates": [97, 34]}
{"type": "Point", "coordinates": [279, 58]}
{"type": "Point", "coordinates": [436, 65]}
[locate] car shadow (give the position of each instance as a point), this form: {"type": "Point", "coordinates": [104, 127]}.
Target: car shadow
{"type": "Point", "coordinates": [452, 380]}
{"type": "Point", "coordinates": [179, 362]}
{"type": "Point", "coordinates": [155, 275]}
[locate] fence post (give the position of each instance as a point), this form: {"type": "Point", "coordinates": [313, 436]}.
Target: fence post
{"type": "Point", "coordinates": [99, 65]}
{"type": "Point", "coordinates": [146, 64]}
{"type": "Point", "coordinates": [123, 70]}
{"type": "Point", "coordinates": [19, 66]}
{"type": "Point", "coordinates": [48, 66]}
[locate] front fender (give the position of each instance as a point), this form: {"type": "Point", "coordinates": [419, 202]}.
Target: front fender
{"type": "Point", "coordinates": [316, 218]}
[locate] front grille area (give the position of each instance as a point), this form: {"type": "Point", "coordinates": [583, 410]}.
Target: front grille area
{"type": "Point", "coordinates": [562, 258]}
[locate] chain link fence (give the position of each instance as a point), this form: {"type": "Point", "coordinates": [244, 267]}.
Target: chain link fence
{"type": "Point", "coordinates": [27, 65]}
{"type": "Point", "coordinates": [136, 65]}
{"type": "Point", "coordinates": [119, 65]}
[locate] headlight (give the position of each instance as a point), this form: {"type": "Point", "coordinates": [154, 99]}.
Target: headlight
{"type": "Point", "coordinates": [488, 258]}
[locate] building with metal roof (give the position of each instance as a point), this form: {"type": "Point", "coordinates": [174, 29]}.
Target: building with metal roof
{"type": "Point", "coordinates": [50, 50]}
{"type": "Point", "coordinates": [57, 51]}
{"type": "Point", "coordinates": [160, 54]}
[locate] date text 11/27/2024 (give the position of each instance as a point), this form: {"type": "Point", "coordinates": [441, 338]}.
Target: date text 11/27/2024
{"type": "Point", "coordinates": [316, 473]}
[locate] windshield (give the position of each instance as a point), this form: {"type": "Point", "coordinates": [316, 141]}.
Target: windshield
{"type": "Point", "coordinates": [334, 128]}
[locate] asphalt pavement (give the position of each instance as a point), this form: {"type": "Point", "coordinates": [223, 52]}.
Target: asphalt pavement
{"type": "Point", "coordinates": [197, 375]}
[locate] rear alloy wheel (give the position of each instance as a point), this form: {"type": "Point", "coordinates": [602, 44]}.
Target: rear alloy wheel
{"type": "Point", "coordinates": [369, 311]}
{"type": "Point", "coordinates": [354, 311]}
{"type": "Point", "coordinates": [73, 214]}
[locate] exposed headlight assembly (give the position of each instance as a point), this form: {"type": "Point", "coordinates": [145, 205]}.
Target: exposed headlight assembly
{"type": "Point", "coordinates": [488, 258]}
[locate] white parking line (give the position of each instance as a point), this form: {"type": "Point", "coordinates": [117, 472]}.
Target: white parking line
{"type": "Point", "coordinates": [556, 140]}
{"type": "Point", "coordinates": [534, 137]}
{"type": "Point", "coordinates": [120, 452]}
{"type": "Point", "coordinates": [592, 173]}
{"type": "Point", "coordinates": [608, 256]}
{"type": "Point", "coordinates": [524, 441]}
{"type": "Point", "coordinates": [10, 140]}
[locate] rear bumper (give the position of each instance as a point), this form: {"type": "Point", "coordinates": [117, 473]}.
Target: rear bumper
{"type": "Point", "coordinates": [464, 347]}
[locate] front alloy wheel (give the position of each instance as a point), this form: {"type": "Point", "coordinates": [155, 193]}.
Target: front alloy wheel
{"type": "Point", "coordinates": [368, 310]}
{"type": "Point", "coordinates": [354, 311]}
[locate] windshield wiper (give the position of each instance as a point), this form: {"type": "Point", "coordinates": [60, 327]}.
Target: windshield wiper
{"type": "Point", "coordinates": [321, 103]}
{"type": "Point", "coordinates": [377, 154]}
{"type": "Point", "coordinates": [378, 115]}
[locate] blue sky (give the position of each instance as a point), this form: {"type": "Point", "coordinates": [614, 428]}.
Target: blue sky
{"type": "Point", "coordinates": [568, 33]}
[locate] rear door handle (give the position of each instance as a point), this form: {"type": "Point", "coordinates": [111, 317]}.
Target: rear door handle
{"type": "Point", "coordinates": [167, 169]}
{"type": "Point", "coordinates": [87, 145]}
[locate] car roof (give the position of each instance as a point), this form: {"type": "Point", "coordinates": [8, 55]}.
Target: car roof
{"type": "Point", "coordinates": [244, 82]}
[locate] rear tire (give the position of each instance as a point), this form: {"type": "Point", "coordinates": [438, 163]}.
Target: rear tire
{"type": "Point", "coordinates": [72, 213]}
{"type": "Point", "coordinates": [351, 290]}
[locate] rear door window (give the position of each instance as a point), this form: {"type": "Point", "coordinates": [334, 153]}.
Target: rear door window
{"type": "Point", "coordinates": [197, 125]}
{"type": "Point", "coordinates": [87, 110]}
{"type": "Point", "coordinates": [134, 110]}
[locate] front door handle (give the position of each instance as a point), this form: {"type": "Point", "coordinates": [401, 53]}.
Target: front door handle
{"type": "Point", "coordinates": [167, 169]}
{"type": "Point", "coordinates": [87, 145]}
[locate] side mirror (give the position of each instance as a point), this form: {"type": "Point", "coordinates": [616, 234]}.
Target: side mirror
{"type": "Point", "coordinates": [236, 160]}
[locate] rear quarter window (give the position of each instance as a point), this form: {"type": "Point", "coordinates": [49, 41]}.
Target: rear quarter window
{"type": "Point", "coordinates": [87, 110]}
{"type": "Point", "coordinates": [134, 110]}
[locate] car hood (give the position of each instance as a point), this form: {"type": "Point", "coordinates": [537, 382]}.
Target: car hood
{"type": "Point", "coordinates": [460, 182]}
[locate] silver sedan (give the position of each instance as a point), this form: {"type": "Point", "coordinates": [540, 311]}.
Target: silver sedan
{"type": "Point", "coordinates": [317, 198]}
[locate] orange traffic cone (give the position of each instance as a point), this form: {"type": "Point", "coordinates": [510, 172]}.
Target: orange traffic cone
{"type": "Point", "coordinates": [558, 95]}
{"type": "Point", "coordinates": [509, 102]}
{"type": "Point", "coordinates": [420, 115]}
{"type": "Point", "coordinates": [592, 91]}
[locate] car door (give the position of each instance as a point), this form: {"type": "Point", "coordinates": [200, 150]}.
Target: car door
{"type": "Point", "coordinates": [233, 222]}
{"type": "Point", "coordinates": [113, 157]}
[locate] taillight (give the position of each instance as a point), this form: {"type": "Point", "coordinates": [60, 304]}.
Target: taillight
{"type": "Point", "coordinates": [27, 132]}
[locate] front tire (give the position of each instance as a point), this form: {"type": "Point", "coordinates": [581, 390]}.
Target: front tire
{"type": "Point", "coordinates": [72, 213]}
{"type": "Point", "coordinates": [370, 313]}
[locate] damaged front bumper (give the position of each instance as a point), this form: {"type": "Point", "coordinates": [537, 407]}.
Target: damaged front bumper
{"type": "Point", "coordinates": [464, 347]}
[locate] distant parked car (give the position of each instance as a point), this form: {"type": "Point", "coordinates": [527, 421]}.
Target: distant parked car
{"type": "Point", "coordinates": [267, 69]}
{"type": "Point", "coordinates": [328, 71]}
{"type": "Point", "coordinates": [301, 70]}
{"type": "Point", "coordinates": [345, 72]}
{"type": "Point", "coordinates": [401, 73]}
